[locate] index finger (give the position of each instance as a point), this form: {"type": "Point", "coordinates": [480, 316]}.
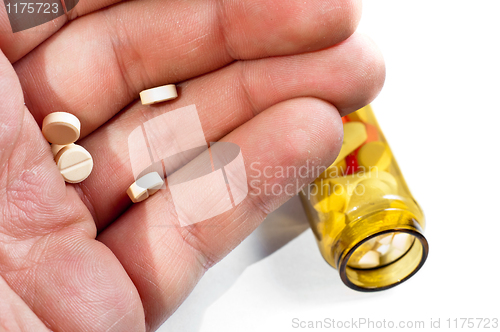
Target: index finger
{"type": "Point", "coordinates": [97, 65]}
{"type": "Point", "coordinates": [15, 45]}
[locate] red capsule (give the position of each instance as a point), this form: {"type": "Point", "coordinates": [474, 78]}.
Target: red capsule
{"type": "Point", "coordinates": [351, 164]}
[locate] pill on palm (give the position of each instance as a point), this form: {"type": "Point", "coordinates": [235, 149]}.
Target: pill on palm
{"type": "Point", "coordinates": [159, 94]}
{"type": "Point", "coordinates": [146, 186]}
{"type": "Point", "coordinates": [61, 128]}
{"type": "Point", "coordinates": [374, 155]}
{"type": "Point", "coordinates": [74, 162]}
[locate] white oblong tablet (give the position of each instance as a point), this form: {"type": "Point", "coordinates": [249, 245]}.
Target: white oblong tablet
{"type": "Point", "coordinates": [75, 163]}
{"type": "Point", "coordinates": [61, 128]}
{"type": "Point", "coordinates": [159, 94]}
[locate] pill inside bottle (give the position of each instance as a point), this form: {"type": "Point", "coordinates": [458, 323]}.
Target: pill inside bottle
{"type": "Point", "coordinates": [381, 250]}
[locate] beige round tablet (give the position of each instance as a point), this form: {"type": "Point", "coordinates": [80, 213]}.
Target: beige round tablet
{"type": "Point", "coordinates": [61, 128]}
{"type": "Point", "coordinates": [75, 163]}
{"type": "Point", "coordinates": [56, 148]}
{"type": "Point", "coordinates": [159, 94]}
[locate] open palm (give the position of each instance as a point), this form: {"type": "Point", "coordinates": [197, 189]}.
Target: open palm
{"type": "Point", "coordinates": [271, 76]}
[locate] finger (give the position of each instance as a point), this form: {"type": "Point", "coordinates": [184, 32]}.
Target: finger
{"type": "Point", "coordinates": [11, 110]}
{"type": "Point", "coordinates": [349, 76]}
{"type": "Point", "coordinates": [15, 315]}
{"type": "Point", "coordinates": [98, 64]}
{"type": "Point", "coordinates": [165, 261]}
{"type": "Point", "coordinates": [15, 45]}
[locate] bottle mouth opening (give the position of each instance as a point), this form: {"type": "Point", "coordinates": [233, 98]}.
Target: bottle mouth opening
{"type": "Point", "coordinates": [384, 260]}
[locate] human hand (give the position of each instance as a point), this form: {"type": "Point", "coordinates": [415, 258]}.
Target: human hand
{"type": "Point", "coordinates": [273, 77]}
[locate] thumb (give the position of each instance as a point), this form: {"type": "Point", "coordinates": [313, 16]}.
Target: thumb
{"type": "Point", "coordinates": [11, 110]}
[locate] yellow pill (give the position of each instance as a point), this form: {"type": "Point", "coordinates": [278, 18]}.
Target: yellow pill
{"type": "Point", "coordinates": [372, 189]}
{"type": "Point", "coordinates": [374, 155]}
{"type": "Point", "coordinates": [359, 115]}
{"type": "Point", "coordinates": [330, 225]}
{"type": "Point", "coordinates": [329, 197]}
{"type": "Point", "coordinates": [349, 182]}
{"type": "Point", "coordinates": [354, 135]}
{"type": "Point", "coordinates": [335, 170]}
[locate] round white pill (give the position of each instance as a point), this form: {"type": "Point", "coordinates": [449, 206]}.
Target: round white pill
{"type": "Point", "coordinates": [74, 162]}
{"type": "Point", "coordinates": [61, 128]}
{"type": "Point", "coordinates": [159, 94]}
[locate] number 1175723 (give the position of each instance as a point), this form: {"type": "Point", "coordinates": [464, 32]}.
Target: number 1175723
{"type": "Point", "coordinates": [32, 8]}
{"type": "Point", "coordinates": [473, 323]}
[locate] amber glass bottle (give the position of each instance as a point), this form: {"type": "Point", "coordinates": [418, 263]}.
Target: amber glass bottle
{"type": "Point", "coordinates": [366, 222]}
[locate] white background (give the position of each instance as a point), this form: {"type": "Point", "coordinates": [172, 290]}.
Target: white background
{"type": "Point", "coordinates": [440, 113]}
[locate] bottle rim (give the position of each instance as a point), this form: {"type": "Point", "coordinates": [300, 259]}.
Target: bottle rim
{"type": "Point", "coordinates": [420, 243]}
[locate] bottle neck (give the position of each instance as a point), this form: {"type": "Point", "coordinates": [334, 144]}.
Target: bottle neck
{"type": "Point", "coordinates": [367, 230]}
